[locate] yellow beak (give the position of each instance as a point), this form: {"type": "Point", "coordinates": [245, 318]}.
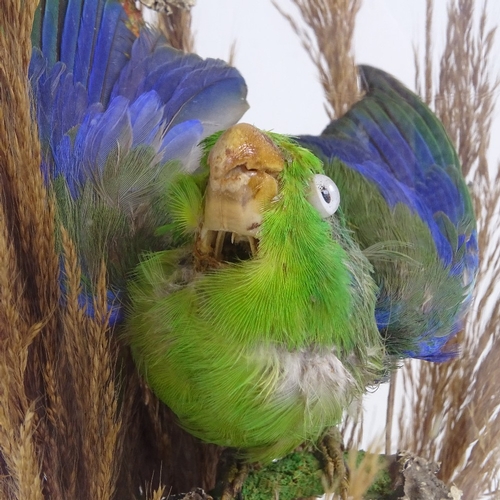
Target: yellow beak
{"type": "Point", "coordinates": [244, 164]}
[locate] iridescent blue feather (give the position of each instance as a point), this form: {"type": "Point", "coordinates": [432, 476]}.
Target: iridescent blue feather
{"type": "Point", "coordinates": [101, 94]}
{"type": "Point", "coordinates": [109, 61]}
{"type": "Point", "coordinates": [393, 140]}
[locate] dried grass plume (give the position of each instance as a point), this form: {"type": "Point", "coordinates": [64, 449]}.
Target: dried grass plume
{"type": "Point", "coordinates": [451, 415]}
{"type": "Point", "coordinates": [328, 41]}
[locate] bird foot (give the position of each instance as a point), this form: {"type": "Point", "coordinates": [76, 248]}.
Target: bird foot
{"type": "Point", "coordinates": [336, 473]}
{"type": "Point", "coordinates": [232, 473]}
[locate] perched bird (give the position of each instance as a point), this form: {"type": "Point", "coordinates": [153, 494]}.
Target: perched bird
{"type": "Point", "coordinates": [274, 277]}
{"type": "Point", "coordinates": [263, 345]}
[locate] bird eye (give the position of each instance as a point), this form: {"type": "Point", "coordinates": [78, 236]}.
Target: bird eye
{"type": "Point", "coordinates": [324, 195]}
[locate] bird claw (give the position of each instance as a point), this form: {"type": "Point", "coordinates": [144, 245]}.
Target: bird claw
{"type": "Point", "coordinates": [233, 474]}
{"type": "Point", "coordinates": [336, 473]}
{"type": "Point", "coordinates": [234, 483]}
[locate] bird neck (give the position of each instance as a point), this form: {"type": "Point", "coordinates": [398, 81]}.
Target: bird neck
{"type": "Point", "coordinates": [295, 291]}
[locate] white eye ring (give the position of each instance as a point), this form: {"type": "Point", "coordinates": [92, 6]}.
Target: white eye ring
{"type": "Point", "coordinates": [324, 195]}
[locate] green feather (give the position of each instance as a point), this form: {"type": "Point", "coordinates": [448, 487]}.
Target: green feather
{"type": "Point", "coordinates": [264, 353]}
{"type": "Point", "coordinates": [183, 202]}
{"type": "Point", "coordinates": [116, 213]}
{"type": "Point", "coordinates": [413, 274]}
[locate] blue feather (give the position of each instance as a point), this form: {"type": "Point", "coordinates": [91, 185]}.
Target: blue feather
{"type": "Point", "coordinates": [101, 93]}
{"type": "Point", "coordinates": [110, 54]}
{"type": "Point", "coordinates": [393, 140]}
{"type": "Point", "coordinates": [69, 39]}
{"type": "Point", "coordinates": [90, 24]}
{"type": "Point", "coordinates": [114, 303]}
{"type": "Point", "coordinates": [394, 152]}
{"type": "Point", "coordinates": [215, 105]}
{"type": "Point", "coordinates": [69, 157]}
{"type": "Point", "coordinates": [150, 59]}
{"type": "Point", "coordinates": [211, 93]}
{"type": "Point", "coordinates": [392, 143]}
{"type": "Point", "coordinates": [399, 115]}
{"type": "Point", "coordinates": [102, 134]}
{"type": "Point", "coordinates": [107, 63]}
{"type": "Point", "coordinates": [376, 80]}
{"type": "Point", "coordinates": [145, 49]}
{"type": "Point", "coordinates": [147, 119]}
{"type": "Point", "coordinates": [70, 105]}
{"type": "Point", "coordinates": [181, 142]}
{"type": "Point", "coordinates": [190, 87]}
{"type": "Point", "coordinates": [50, 30]}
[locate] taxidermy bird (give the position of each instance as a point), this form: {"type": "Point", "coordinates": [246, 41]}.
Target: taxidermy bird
{"type": "Point", "coordinates": [274, 277]}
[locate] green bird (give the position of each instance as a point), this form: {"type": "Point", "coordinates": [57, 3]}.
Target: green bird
{"type": "Point", "coordinates": [290, 291]}
{"type": "Point", "coordinates": [261, 281]}
{"type": "Point", "coordinates": [263, 345]}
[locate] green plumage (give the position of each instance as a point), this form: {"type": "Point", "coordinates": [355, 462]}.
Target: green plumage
{"type": "Point", "coordinates": [264, 353]}
{"type": "Point", "coordinates": [426, 298]}
{"type": "Point", "coordinates": [117, 212]}
{"type": "Point", "coordinates": [255, 314]}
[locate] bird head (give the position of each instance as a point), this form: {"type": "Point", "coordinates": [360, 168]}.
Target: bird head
{"type": "Point", "coordinates": [270, 247]}
{"type": "Point", "coordinates": [249, 174]}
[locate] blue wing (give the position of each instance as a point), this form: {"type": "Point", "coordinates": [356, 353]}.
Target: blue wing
{"type": "Point", "coordinates": [397, 144]}
{"type": "Point", "coordinates": [90, 61]}
{"type": "Point", "coordinates": [103, 93]}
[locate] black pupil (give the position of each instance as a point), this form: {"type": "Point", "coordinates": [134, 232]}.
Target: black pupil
{"type": "Point", "coordinates": [326, 194]}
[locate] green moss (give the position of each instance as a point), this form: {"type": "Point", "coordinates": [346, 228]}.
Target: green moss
{"type": "Point", "coordinates": [296, 475]}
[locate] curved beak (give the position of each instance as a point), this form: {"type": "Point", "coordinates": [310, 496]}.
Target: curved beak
{"type": "Point", "coordinates": [244, 164]}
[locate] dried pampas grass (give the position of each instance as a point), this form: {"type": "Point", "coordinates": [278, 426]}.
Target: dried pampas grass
{"type": "Point", "coordinates": [454, 406]}
{"type": "Point", "coordinates": [76, 422]}
{"type": "Point", "coordinates": [328, 41]}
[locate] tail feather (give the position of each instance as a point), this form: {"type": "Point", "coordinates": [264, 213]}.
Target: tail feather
{"type": "Point", "coordinates": [47, 28]}
{"type": "Point", "coordinates": [89, 29]}
{"type": "Point", "coordinates": [110, 53]}
{"type": "Point", "coordinates": [69, 41]}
